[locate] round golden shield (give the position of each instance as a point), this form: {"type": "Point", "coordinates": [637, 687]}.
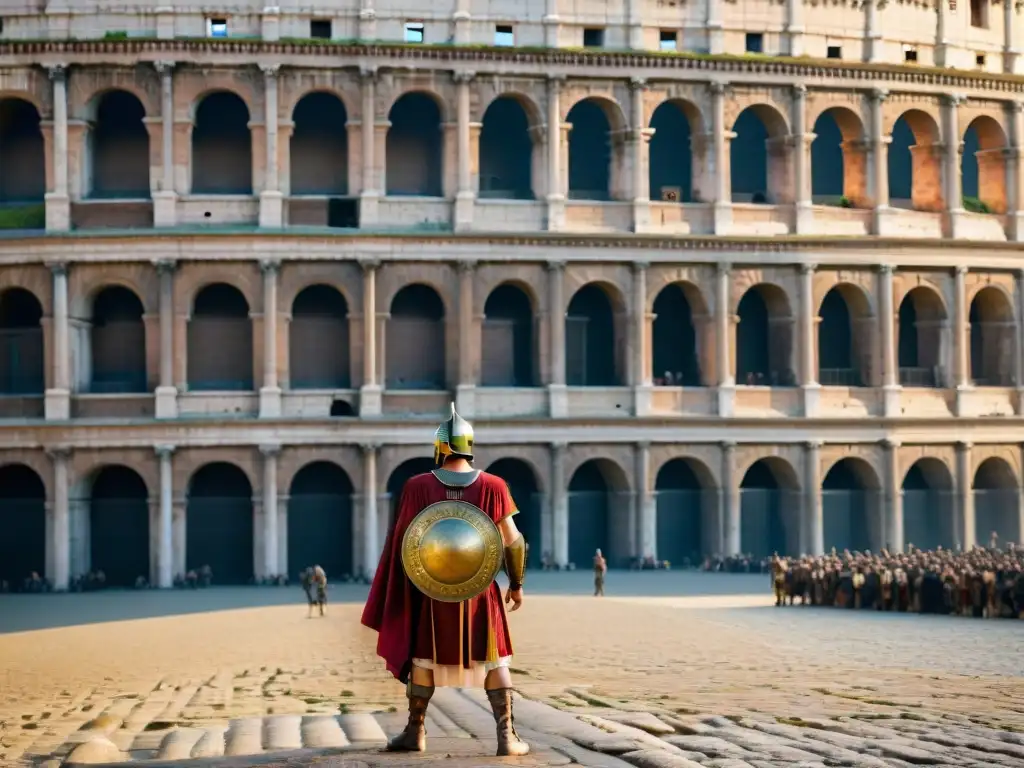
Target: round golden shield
{"type": "Point", "coordinates": [452, 551]}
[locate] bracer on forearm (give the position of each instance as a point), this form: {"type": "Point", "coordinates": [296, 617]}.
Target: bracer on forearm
{"type": "Point", "coordinates": [515, 562]}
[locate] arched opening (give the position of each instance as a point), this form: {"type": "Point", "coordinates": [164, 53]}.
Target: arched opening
{"type": "Point", "coordinates": [599, 514]}
{"type": "Point", "coordinates": [414, 147]}
{"type": "Point", "coordinates": [320, 520]}
{"type": "Point", "coordinates": [22, 154]}
{"type": "Point", "coordinates": [993, 333]}
{"type": "Point", "coordinates": [838, 159]}
{"type": "Point", "coordinates": [670, 168]}
{"type": "Point", "coordinates": [590, 339]}
{"type": "Point", "coordinates": [915, 167]}
{"type": "Point", "coordinates": [219, 523]}
{"type": "Point", "coordinates": [221, 146]}
{"type": "Point", "coordinates": [849, 501]}
{"type": "Point", "coordinates": [845, 326]}
{"type": "Point", "coordinates": [319, 146]}
{"type": "Point", "coordinates": [922, 339]}
{"type": "Point", "coordinates": [119, 526]}
{"type": "Point", "coordinates": [686, 501]}
{"type": "Point", "coordinates": [415, 345]}
{"type": "Point", "coordinates": [522, 484]}
{"type": "Point", "coordinates": [983, 166]}
{"type": "Point", "coordinates": [508, 339]}
{"type": "Point", "coordinates": [21, 334]}
{"type": "Point", "coordinates": [506, 151]}
{"type": "Point", "coordinates": [590, 152]}
{"type": "Point", "coordinates": [759, 157]}
{"type": "Point", "coordinates": [769, 509]}
{"type": "Point", "coordinates": [318, 340]}
{"type": "Point", "coordinates": [118, 342]}
{"type": "Point", "coordinates": [22, 525]}
{"type": "Point", "coordinates": [764, 338]}
{"type": "Point", "coordinates": [996, 504]}
{"type": "Point", "coordinates": [675, 357]}
{"type": "Point", "coordinates": [929, 514]}
{"type": "Point", "coordinates": [120, 147]}
{"type": "Point", "coordinates": [220, 340]}
{"type": "Point", "coordinates": [396, 482]}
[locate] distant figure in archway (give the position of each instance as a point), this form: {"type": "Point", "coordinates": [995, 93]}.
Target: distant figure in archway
{"type": "Point", "coordinates": [600, 569]}
{"type": "Point", "coordinates": [320, 582]}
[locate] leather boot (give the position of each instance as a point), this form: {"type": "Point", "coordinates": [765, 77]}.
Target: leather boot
{"type": "Point", "coordinates": [414, 737]}
{"type": "Point", "coordinates": [509, 743]}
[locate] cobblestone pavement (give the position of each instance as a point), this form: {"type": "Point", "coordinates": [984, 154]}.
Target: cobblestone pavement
{"type": "Point", "coordinates": [644, 677]}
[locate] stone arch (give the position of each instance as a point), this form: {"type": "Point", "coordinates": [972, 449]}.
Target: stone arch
{"type": "Point", "coordinates": [850, 499]}
{"type": "Point", "coordinates": [219, 529]}
{"type": "Point", "coordinates": [599, 504]}
{"type": "Point", "coordinates": [686, 511]}
{"type": "Point", "coordinates": [415, 341]}
{"type": "Point", "coordinates": [219, 342]}
{"type": "Point", "coordinates": [759, 157]}
{"type": "Point", "coordinates": [221, 145]}
{"type": "Point", "coordinates": [675, 342]}
{"type": "Point", "coordinates": [318, 339]}
{"type": "Point", "coordinates": [996, 502]}
{"type": "Point", "coordinates": [509, 338]}
{"type": "Point", "coordinates": [118, 156]}
{"type": "Point", "coordinates": [992, 337]}
{"type": "Point", "coordinates": [525, 489]}
{"type": "Point", "coordinates": [929, 511]}
{"type": "Point", "coordinates": [764, 338]}
{"type": "Point", "coordinates": [845, 333]}
{"type": "Point", "coordinates": [670, 169]}
{"type": "Point", "coordinates": [595, 149]}
{"type": "Point", "coordinates": [770, 507]}
{"type": "Point", "coordinates": [320, 520]}
{"type": "Point", "coordinates": [22, 525]}
{"type": "Point", "coordinates": [319, 146]}
{"type": "Point", "coordinates": [507, 150]}
{"type": "Point", "coordinates": [115, 343]}
{"type": "Point", "coordinates": [591, 332]}
{"type": "Point", "coordinates": [915, 162]}
{"type": "Point", "coordinates": [118, 525]}
{"type": "Point", "coordinates": [983, 166]}
{"type": "Point", "coordinates": [922, 344]}
{"type": "Point", "coordinates": [399, 476]}
{"type": "Point", "coordinates": [415, 146]}
{"type": "Point", "coordinates": [839, 159]}
{"type": "Point", "coordinates": [22, 153]}
{"type": "Point", "coordinates": [22, 360]}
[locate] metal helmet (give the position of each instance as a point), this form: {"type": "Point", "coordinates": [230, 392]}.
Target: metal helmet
{"type": "Point", "coordinates": [453, 438]}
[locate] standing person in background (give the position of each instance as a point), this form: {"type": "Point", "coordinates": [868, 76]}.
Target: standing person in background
{"type": "Point", "coordinates": [320, 582]}
{"type": "Point", "coordinates": [600, 569]}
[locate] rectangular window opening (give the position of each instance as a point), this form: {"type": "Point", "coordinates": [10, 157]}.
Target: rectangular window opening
{"type": "Point", "coordinates": [979, 59]}
{"type": "Point", "coordinates": [320, 29]}
{"type": "Point", "coordinates": [1, 26]}
{"type": "Point", "coordinates": [593, 37]}
{"type": "Point", "coordinates": [978, 14]}
{"type": "Point", "coordinates": [504, 35]}
{"type": "Point", "coordinates": [755, 42]}
{"type": "Point", "coordinates": [835, 52]}
{"type": "Point", "coordinates": [217, 27]}
{"type": "Point", "coordinates": [669, 40]}
{"type": "Point", "coordinates": [414, 31]}
{"type": "Point", "coordinates": [909, 54]}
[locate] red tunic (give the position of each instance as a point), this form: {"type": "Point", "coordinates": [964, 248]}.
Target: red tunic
{"type": "Point", "coordinates": [411, 625]}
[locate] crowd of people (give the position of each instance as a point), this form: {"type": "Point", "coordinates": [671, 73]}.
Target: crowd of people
{"type": "Point", "coordinates": [982, 582]}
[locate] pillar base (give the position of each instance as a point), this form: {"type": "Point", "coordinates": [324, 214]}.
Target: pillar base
{"type": "Point", "coordinates": [641, 216]}
{"type": "Point", "coordinates": [726, 400]}
{"type": "Point", "coordinates": [58, 212]}
{"type": "Point", "coordinates": [891, 407]}
{"type": "Point", "coordinates": [369, 209]}
{"type": "Point", "coordinates": [57, 404]}
{"type": "Point", "coordinates": [880, 216]}
{"type": "Point", "coordinates": [796, 41]}
{"type": "Point", "coordinates": [1011, 60]}
{"type": "Point", "coordinates": [465, 399]}
{"type": "Point", "coordinates": [1015, 226]}
{"type": "Point", "coordinates": [1020, 412]}
{"type": "Point", "coordinates": [722, 218]}
{"type": "Point", "coordinates": [165, 210]}
{"type": "Point", "coordinates": [872, 47]}
{"type": "Point", "coordinates": [963, 400]}
{"type": "Point", "coordinates": [643, 399]}
{"type": "Point", "coordinates": [955, 221]}
{"type": "Point", "coordinates": [558, 401]}
{"type": "Point", "coordinates": [271, 210]}
{"type": "Point", "coordinates": [556, 213]}
{"type": "Point", "coordinates": [270, 402]}
{"type": "Point", "coordinates": [166, 402]}
{"type": "Point", "coordinates": [812, 398]}
{"type": "Point", "coordinates": [716, 38]}
{"type": "Point", "coordinates": [465, 203]}
{"type": "Point", "coordinates": [371, 401]}
{"type": "Point", "coordinates": [803, 218]}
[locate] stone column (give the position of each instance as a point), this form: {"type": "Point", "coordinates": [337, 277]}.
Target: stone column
{"type": "Point", "coordinates": [887, 322]}
{"type": "Point", "coordinates": [469, 351]}
{"type": "Point", "coordinates": [964, 528]}
{"type": "Point", "coordinates": [808, 341]}
{"type": "Point", "coordinates": [371, 546]}
{"type": "Point", "coordinates": [166, 392]}
{"type": "Point", "coordinates": [952, 189]}
{"type": "Point", "coordinates": [58, 203]}
{"type": "Point", "coordinates": [872, 35]}
{"type": "Point", "coordinates": [1015, 172]}
{"type": "Point", "coordinates": [165, 198]}
{"type": "Point", "coordinates": [1018, 349]}
{"type": "Point", "coordinates": [803, 213]}
{"type": "Point", "coordinates": [894, 494]}
{"type": "Point", "coordinates": [1011, 53]}
{"type": "Point", "coordinates": [961, 341]}
{"type": "Point", "coordinates": [271, 199]}
{"type": "Point", "coordinates": [815, 522]}
{"type": "Point", "coordinates": [795, 27]}
{"type": "Point", "coordinates": [723, 341]}
{"type": "Point", "coordinates": [58, 399]}
{"type": "Point", "coordinates": [558, 405]}
{"type": "Point", "coordinates": [721, 167]}
{"type": "Point", "coordinates": [731, 514]}
{"type": "Point", "coordinates": [370, 394]}
{"type": "Point", "coordinates": [559, 505]}
{"type": "Point", "coordinates": [465, 197]}
{"type": "Point", "coordinates": [165, 557]}
{"type": "Point", "coordinates": [646, 509]}
{"type": "Point", "coordinates": [61, 528]}
{"type": "Point", "coordinates": [879, 167]}
{"type": "Point", "coordinates": [369, 196]}
{"type": "Point", "coordinates": [713, 24]}
{"type": "Point", "coordinates": [941, 37]}
{"type": "Point", "coordinates": [270, 392]}
{"type": "Point", "coordinates": [270, 457]}
{"type": "Point", "coordinates": [639, 136]}
{"type": "Point", "coordinates": [640, 363]}
{"type": "Point", "coordinates": [556, 197]}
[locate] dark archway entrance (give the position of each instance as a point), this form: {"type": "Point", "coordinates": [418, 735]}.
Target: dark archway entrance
{"type": "Point", "coordinates": [670, 171]}
{"type": "Point", "coordinates": [522, 483]}
{"type": "Point", "coordinates": [120, 147]}
{"type": "Point", "coordinates": [996, 503]}
{"type": "Point", "coordinates": [508, 339]}
{"type": "Point", "coordinates": [415, 348]}
{"type": "Point", "coordinates": [22, 154]}
{"type": "Point", "coordinates": [319, 146]}
{"type": "Point", "coordinates": [219, 523]}
{"type": "Point", "coordinates": [22, 525]}
{"type": "Point", "coordinates": [414, 147]}
{"type": "Point", "coordinates": [675, 360]}
{"type": "Point", "coordinates": [843, 351]}
{"type": "Point", "coordinates": [398, 479]}
{"type": "Point", "coordinates": [684, 500]}
{"type": "Point", "coordinates": [506, 151]}
{"type": "Point", "coordinates": [21, 343]}
{"type": "Point", "coordinates": [119, 526]}
{"type": "Point", "coordinates": [318, 340]}
{"type": "Point", "coordinates": [993, 335]}
{"type": "Point", "coordinates": [764, 338]}
{"type": "Point", "coordinates": [222, 146]}
{"type": "Point", "coordinates": [590, 339]}
{"type": "Point", "coordinates": [769, 509]}
{"type": "Point", "coordinates": [849, 498]}
{"type": "Point", "coordinates": [922, 319]}
{"type": "Point", "coordinates": [929, 511]}
{"type": "Point", "coordinates": [598, 514]}
{"type": "Point", "coordinates": [320, 520]}
{"type": "Point", "coordinates": [220, 341]}
{"type": "Point", "coordinates": [118, 341]}
{"type": "Point", "coordinates": [590, 152]}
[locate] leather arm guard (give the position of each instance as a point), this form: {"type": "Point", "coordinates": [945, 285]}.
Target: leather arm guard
{"type": "Point", "coordinates": [515, 562]}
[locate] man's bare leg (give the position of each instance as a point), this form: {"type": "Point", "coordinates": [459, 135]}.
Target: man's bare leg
{"type": "Point", "coordinates": [419, 691]}
{"type": "Point", "coordinates": [498, 685]}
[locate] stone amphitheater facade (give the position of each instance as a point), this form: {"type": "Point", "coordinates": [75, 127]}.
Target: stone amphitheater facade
{"type": "Point", "coordinates": [709, 277]}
